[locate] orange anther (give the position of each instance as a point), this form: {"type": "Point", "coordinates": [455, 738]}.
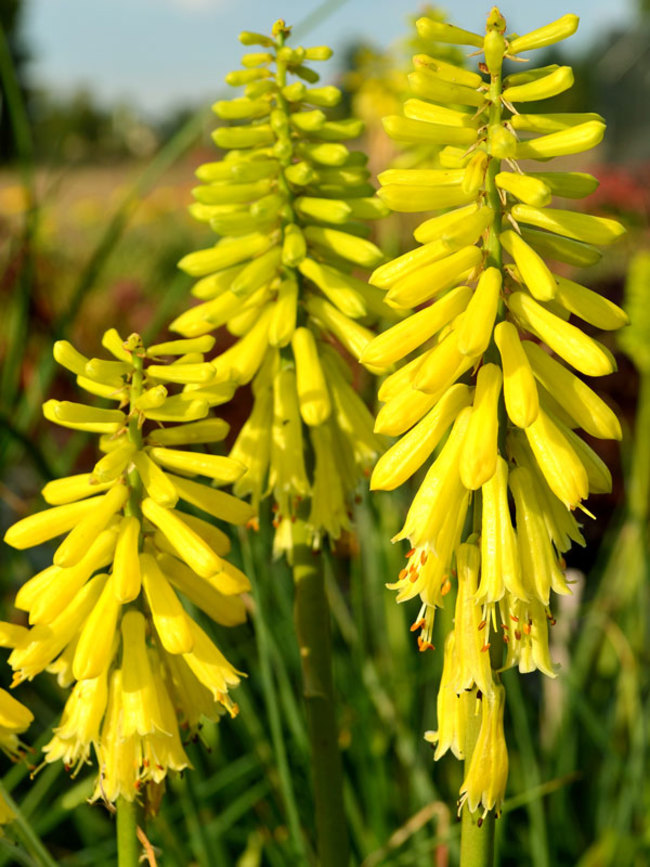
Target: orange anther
{"type": "Point", "coordinates": [517, 635]}
{"type": "Point", "coordinates": [402, 574]}
{"type": "Point", "coordinates": [423, 557]}
{"type": "Point", "coordinates": [446, 587]}
{"type": "Point", "coordinates": [419, 624]}
{"type": "Point", "coordinates": [410, 553]}
{"type": "Point", "coordinates": [485, 647]}
{"type": "Point", "coordinates": [482, 625]}
{"type": "Point", "coordinates": [516, 619]}
{"type": "Point", "coordinates": [527, 628]}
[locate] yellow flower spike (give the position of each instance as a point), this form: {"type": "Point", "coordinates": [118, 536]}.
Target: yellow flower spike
{"type": "Point", "coordinates": [407, 335]}
{"type": "Point", "coordinates": [431, 280]}
{"type": "Point", "coordinates": [571, 344]}
{"type": "Point", "coordinates": [473, 660]}
{"type": "Point", "coordinates": [534, 271]}
{"type": "Point", "coordinates": [475, 329]}
{"type": "Point", "coordinates": [253, 447]}
{"type": "Point", "coordinates": [519, 389]}
{"type": "Point", "coordinates": [531, 190]}
{"type": "Point", "coordinates": [558, 461]}
{"type": "Point", "coordinates": [173, 625]}
{"type": "Point", "coordinates": [589, 411]}
{"type": "Point", "coordinates": [478, 457]}
{"type": "Point", "coordinates": [313, 394]}
{"type": "Point", "coordinates": [141, 706]}
{"type": "Point", "coordinates": [93, 653]}
{"type": "Point", "coordinates": [538, 560]}
{"type": "Point", "coordinates": [452, 709]}
{"type": "Point", "coordinates": [500, 566]}
{"type": "Point", "coordinates": [127, 580]}
{"type": "Point", "coordinates": [69, 489]}
{"type": "Point", "coordinates": [337, 288]}
{"type": "Point", "coordinates": [189, 546]}
{"type": "Point", "coordinates": [97, 517]}
{"type": "Point", "coordinates": [485, 780]}
{"type": "Point", "coordinates": [406, 456]}
{"type": "Point", "coordinates": [550, 34]}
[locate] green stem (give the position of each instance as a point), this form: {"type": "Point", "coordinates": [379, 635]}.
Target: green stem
{"type": "Point", "coordinates": [477, 832]}
{"type": "Point", "coordinates": [128, 847]}
{"type": "Point", "coordinates": [26, 833]}
{"type": "Point", "coordinates": [639, 493]}
{"type": "Point", "coordinates": [311, 614]}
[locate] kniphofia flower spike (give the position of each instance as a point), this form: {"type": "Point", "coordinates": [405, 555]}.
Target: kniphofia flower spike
{"type": "Point", "coordinates": [107, 617]}
{"type": "Point", "coordinates": [485, 370]}
{"type": "Point", "coordinates": [290, 202]}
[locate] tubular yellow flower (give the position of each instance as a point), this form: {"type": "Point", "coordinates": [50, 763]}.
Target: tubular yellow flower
{"type": "Point", "coordinates": [519, 446]}
{"type": "Point", "coordinates": [133, 544]}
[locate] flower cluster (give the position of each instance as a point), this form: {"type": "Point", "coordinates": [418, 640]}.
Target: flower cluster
{"type": "Point", "coordinates": [106, 616]}
{"type": "Point", "coordinates": [490, 355]}
{"type": "Point", "coordinates": [290, 201]}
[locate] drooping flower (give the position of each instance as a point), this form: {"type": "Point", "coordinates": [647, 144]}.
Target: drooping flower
{"type": "Point", "coordinates": [107, 616]}
{"type": "Point", "coordinates": [486, 369]}
{"type": "Point", "coordinates": [290, 202]}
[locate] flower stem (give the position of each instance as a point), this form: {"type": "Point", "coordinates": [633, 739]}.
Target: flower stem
{"type": "Point", "coordinates": [128, 847]}
{"type": "Point", "coordinates": [311, 613]}
{"type": "Point", "coordinates": [477, 833]}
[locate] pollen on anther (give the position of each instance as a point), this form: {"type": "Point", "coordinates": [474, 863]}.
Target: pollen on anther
{"type": "Point", "coordinates": [485, 647]}
{"type": "Point", "coordinates": [446, 587]}
{"type": "Point", "coordinates": [482, 625]}
{"type": "Point", "coordinates": [411, 552]}
{"type": "Point", "coordinates": [402, 574]}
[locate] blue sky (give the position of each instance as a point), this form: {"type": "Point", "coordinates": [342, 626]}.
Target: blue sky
{"type": "Point", "coordinates": [160, 53]}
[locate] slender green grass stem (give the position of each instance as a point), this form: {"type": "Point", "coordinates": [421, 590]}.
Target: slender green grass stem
{"type": "Point", "coordinates": [311, 612]}
{"type": "Point", "coordinates": [26, 834]}
{"type": "Point", "coordinates": [477, 833]}
{"type": "Point", "coordinates": [128, 847]}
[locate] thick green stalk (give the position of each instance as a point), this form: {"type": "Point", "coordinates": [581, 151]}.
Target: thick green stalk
{"type": "Point", "coordinates": [311, 612]}
{"type": "Point", "coordinates": [477, 834]}
{"type": "Point", "coordinates": [128, 847]}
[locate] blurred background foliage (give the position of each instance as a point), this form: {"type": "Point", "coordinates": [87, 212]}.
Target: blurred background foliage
{"type": "Point", "coordinates": [92, 221]}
